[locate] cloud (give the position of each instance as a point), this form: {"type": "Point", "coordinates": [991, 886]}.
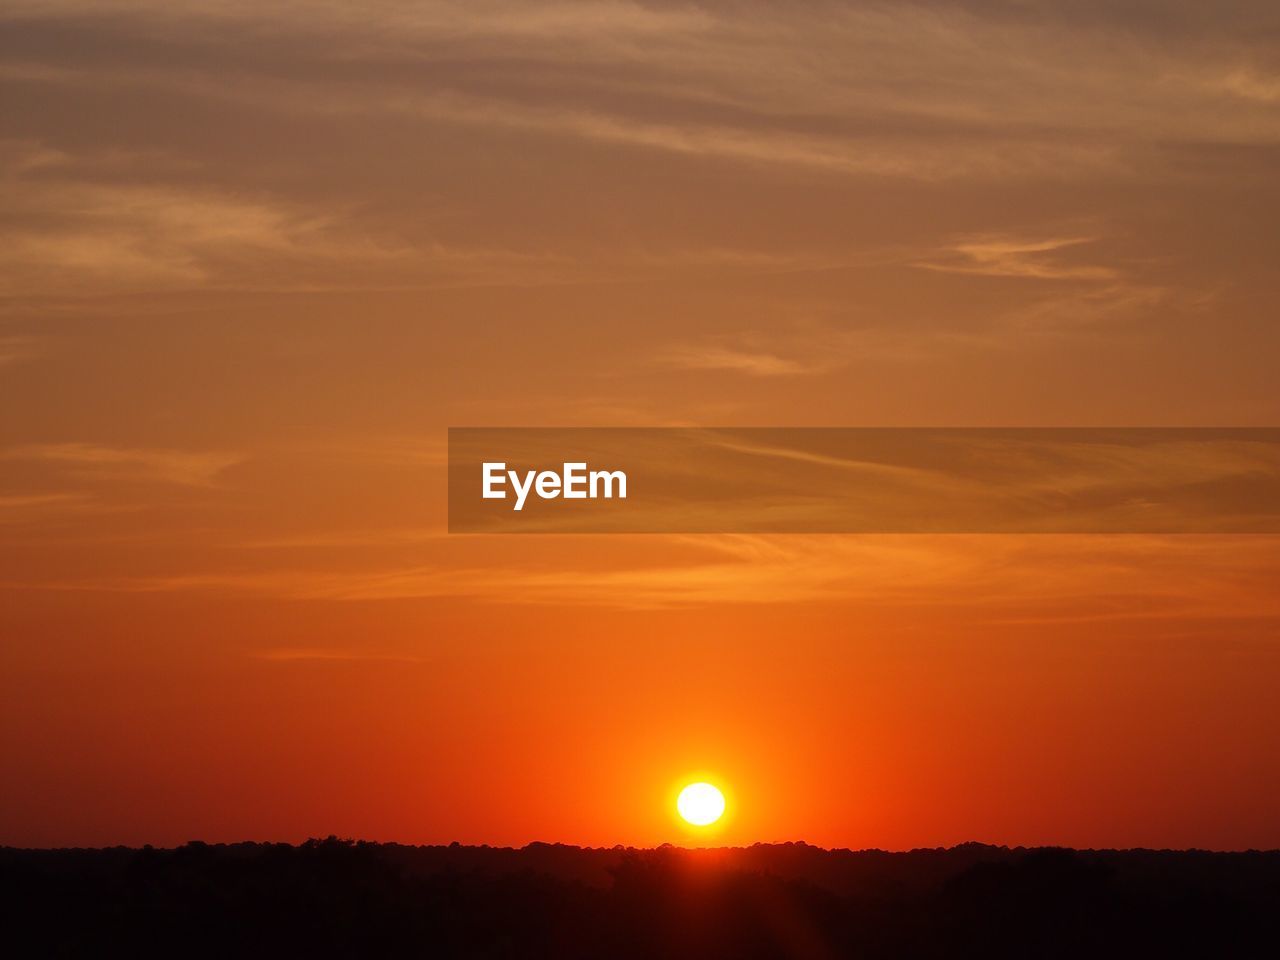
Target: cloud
{"type": "Point", "coordinates": [737, 361]}
{"type": "Point", "coordinates": [560, 20]}
{"type": "Point", "coordinates": [1251, 85]}
{"type": "Point", "coordinates": [927, 91]}
{"type": "Point", "coordinates": [812, 348]}
{"type": "Point", "coordinates": [992, 577]}
{"type": "Point", "coordinates": [877, 156]}
{"type": "Point", "coordinates": [1080, 309]}
{"type": "Point", "coordinates": [723, 570]}
{"type": "Point", "coordinates": [1005, 256]}
{"type": "Point", "coordinates": [67, 233]}
{"type": "Point", "coordinates": [238, 170]}
{"type": "Point", "coordinates": [186, 468]}
{"type": "Point", "coordinates": [759, 140]}
{"type": "Point", "coordinates": [347, 539]}
{"type": "Point", "coordinates": [76, 228]}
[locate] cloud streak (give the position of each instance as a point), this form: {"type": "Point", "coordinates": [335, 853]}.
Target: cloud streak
{"type": "Point", "coordinates": [994, 577]}
{"type": "Point", "coordinates": [1002, 256]}
{"type": "Point", "coordinates": [756, 364]}
{"type": "Point", "coordinates": [184, 468]}
{"type": "Point", "coordinates": [879, 89]}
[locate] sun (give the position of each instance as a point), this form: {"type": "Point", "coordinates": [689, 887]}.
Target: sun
{"type": "Point", "coordinates": [700, 804]}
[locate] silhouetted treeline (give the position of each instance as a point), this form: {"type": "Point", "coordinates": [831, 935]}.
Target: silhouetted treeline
{"type": "Point", "coordinates": [338, 898]}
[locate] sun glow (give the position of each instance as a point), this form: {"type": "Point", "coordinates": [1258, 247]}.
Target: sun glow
{"type": "Point", "coordinates": [700, 804]}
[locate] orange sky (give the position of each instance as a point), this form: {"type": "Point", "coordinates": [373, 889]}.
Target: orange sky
{"type": "Point", "coordinates": [257, 258]}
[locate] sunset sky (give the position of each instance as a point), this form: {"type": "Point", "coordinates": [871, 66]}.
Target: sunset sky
{"type": "Point", "coordinates": [257, 258]}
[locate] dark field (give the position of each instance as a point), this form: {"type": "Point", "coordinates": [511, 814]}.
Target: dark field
{"type": "Point", "coordinates": [338, 898]}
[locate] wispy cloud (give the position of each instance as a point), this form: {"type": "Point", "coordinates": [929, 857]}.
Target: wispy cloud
{"type": "Point", "coordinates": [1252, 85]}
{"type": "Point", "coordinates": [761, 364]}
{"type": "Point", "coordinates": [880, 89]}
{"type": "Point", "coordinates": [345, 539]}
{"type": "Point", "coordinates": [1005, 256]}
{"type": "Point", "coordinates": [989, 576]}
{"type": "Point", "coordinates": [68, 235]}
{"type": "Point", "coordinates": [1091, 306]}
{"type": "Point", "coordinates": [814, 348]}
{"type": "Point", "coordinates": [77, 227]}
{"type": "Point", "coordinates": [560, 20]}
{"type": "Point", "coordinates": [187, 468]}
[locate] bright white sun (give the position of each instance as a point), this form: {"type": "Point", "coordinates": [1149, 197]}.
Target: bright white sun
{"type": "Point", "coordinates": [700, 804]}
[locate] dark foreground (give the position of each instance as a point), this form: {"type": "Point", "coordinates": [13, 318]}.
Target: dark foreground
{"type": "Point", "coordinates": [336, 898]}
